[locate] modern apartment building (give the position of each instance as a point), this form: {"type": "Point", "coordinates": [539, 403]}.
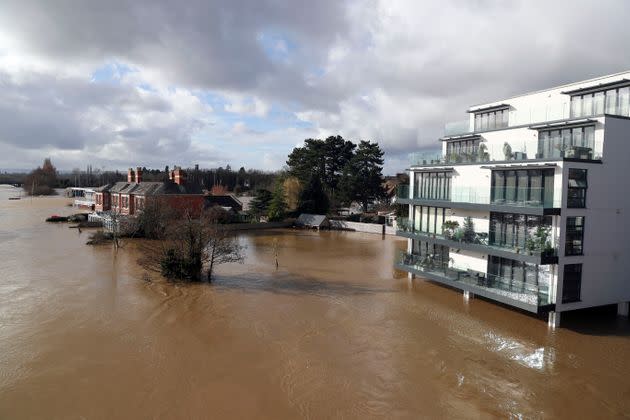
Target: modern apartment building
{"type": "Point", "coordinates": [527, 203]}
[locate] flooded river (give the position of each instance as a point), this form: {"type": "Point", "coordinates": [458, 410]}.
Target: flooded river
{"type": "Point", "coordinates": [335, 332]}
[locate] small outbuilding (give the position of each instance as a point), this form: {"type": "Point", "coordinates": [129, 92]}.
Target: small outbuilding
{"type": "Point", "coordinates": [313, 221]}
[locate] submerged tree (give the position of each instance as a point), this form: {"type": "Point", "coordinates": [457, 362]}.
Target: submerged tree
{"type": "Point", "coordinates": [42, 181]}
{"type": "Point", "coordinates": [191, 247]}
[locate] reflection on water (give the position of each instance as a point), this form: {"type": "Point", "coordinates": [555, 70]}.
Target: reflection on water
{"type": "Point", "coordinates": [333, 332]}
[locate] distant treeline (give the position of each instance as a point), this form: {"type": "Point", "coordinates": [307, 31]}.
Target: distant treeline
{"type": "Point", "coordinates": [239, 181]}
{"type": "Point", "coordinates": [236, 181]}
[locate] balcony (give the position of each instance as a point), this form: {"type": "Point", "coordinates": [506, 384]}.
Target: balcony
{"type": "Point", "coordinates": [534, 200]}
{"type": "Point", "coordinates": [516, 117]}
{"type": "Point", "coordinates": [540, 248]}
{"type": "Point", "coordinates": [530, 297]}
{"type": "Point", "coordinates": [549, 149]}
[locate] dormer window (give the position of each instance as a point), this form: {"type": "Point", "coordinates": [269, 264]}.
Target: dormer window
{"type": "Point", "coordinates": [611, 98]}
{"type": "Point", "coordinates": [491, 118]}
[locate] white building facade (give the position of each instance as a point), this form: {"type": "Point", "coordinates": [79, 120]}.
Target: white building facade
{"type": "Point", "coordinates": [527, 203]}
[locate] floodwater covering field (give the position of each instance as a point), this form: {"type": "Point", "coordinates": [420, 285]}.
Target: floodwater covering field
{"type": "Point", "coordinates": [335, 332]}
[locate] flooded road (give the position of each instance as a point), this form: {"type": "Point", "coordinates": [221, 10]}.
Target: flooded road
{"type": "Point", "coordinates": [335, 332]}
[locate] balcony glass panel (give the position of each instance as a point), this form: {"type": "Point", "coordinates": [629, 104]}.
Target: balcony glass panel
{"type": "Point", "coordinates": [624, 101]}
{"type": "Point", "coordinates": [598, 103]}
{"type": "Point", "coordinates": [611, 101]}
{"type": "Point", "coordinates": [576, 143]}
{"type": "Point", "coordinates": [529, 289]}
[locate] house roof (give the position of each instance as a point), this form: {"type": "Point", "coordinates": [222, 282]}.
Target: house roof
{"type": "Point", "coordinates": [103, 188]}
{"type": "Point", "coordinates": [149, 188]}
{"type": "Point", "coordinates": [224, 200]}
{"type": "Point", "coordinates": [306, 219]}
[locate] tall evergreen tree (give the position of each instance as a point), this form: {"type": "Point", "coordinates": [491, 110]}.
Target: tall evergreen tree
{"type": "Point", "coordinates": [313, 199]}
{"type": "Point", "coordinates": [278, 205]}
{"type": "Point", "coordinates": [260, 203]}
{"type": "Point", "coordinates": [362, 177]}
{"type": "Point", "coordinates": [322, 158]}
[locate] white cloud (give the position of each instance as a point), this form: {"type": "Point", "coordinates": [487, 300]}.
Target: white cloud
{"type": "Point", "coordinates": [391, 71]}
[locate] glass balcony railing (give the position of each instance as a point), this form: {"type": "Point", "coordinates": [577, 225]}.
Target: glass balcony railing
{"type": "Point", "coordinates": [523, 197]}
{"type": "Point", "coordinates": [448, 273]}
{"type": "Point", "coordinates": [455, 128]}
{"type": "Point", "coordinates": [548, 148]}
{"type": "Point", "coordinates": [538, 242]}
{"type": "Point", "coordinates": [577, 108]}
{"type": "Point", "coordinates": [509, 196]}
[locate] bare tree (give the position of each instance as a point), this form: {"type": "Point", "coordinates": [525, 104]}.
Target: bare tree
{"type": "Point", "coordinates": [190, 246]}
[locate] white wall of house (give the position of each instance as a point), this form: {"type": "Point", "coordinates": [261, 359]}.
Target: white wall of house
{"type": "Point", "coordinates": [469, 260]}
{"type": "Point", "coordinates": [480, 219]}
{"type": "Point", "coordinates": [606, 259]}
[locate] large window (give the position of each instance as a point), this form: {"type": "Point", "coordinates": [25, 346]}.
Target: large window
{"type": "Point", "coordinates": [462, 150]}
{"type": "Point", "coordinates": [433, 185]}
{"type": "Point", "coordinates": [574, 143]}
{"type": "Point", "coordinates": [429, 219]}
{"type": "Point", "coordinates": [575, 236]}
{"type": "Point", "coordinates": [436, 253]}
{"type": "Point", "coordinates": [531, 187]}
{"type": "Point", "coordinates": [612, 101]}
{"type": "Point", "coordinates": [514, 230]}
{"type": "Point", "coordinates": [491, 120]}
{"type": "Point", "coordinates": [572, 283]}
{"type": "Point", "coordinates": [576, 193]}
{"type": "Point", "coordinates": [515, 276]}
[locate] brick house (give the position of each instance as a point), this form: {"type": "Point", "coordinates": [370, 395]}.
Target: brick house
{"type": "Point", "coordinates": [130, 197]}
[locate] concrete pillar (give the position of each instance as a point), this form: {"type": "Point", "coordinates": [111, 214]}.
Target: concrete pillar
{"type": "Point", "coordinates": [411, 276]}
{"type": "Point", "coordinates": [554, 319]}
{"type": "Point", "coordinates": [468, 295]}
{"type": "Point", "coordinates": [622, 308]}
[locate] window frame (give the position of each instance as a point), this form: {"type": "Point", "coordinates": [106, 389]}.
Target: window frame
{"type": "Point", "coordinates": [577, 287]}
{"type": "Point", "coordinates": [573, 231]}
{"type": "Point", "coordinates": [571, 200]}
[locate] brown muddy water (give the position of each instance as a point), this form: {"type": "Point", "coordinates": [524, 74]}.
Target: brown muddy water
{"type": "Point", "coordinates": [334, 333]}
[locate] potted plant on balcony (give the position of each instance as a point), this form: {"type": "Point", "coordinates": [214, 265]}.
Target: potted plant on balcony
{"type": "Point", "coordinates": [458, 234]}
{"type": "Point", "coordinates": [449, 227]}
{"type": "Point", "coordinates": [469, 230]}
{"type": "Point", "coordinates": [539, 241]}
{"type": "Point", "coordinates": [507, 151]}
{"type": "Point", "coordinates": [482, 153]}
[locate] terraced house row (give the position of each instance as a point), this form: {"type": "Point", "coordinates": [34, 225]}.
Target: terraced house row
{"type": "Point", "coordinates": [527, 203]}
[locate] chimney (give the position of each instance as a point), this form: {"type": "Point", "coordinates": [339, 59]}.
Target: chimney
{"type": "Point", "coordinates": [138, 174]}
{"type": "Point", "coordinates": [130, 175]}
{"type": "Point", "coordinates": [179, 176]}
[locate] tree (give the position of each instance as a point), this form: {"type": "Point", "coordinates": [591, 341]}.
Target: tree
{"type": "Point", "coordinates": [362, 177]}
{"type": "Point", "coordinates": [190, 246]}
{"type": "Point", "coordinates": [292, 189]}
{"type": "Point", "coordinates": [469, 230]}
{"type": "Point", "coordinates": [277, 206]}
{"type": "Point", "coordinates": [42, 181]}
{"type": "Point", "coordinates": [313, 199]}
{"type": "Point", "coordinates": [153, 220]}
{"type": "Point", "coordinates": [260, 203]}
{"type": "Point", "coordinates": [322, 158]}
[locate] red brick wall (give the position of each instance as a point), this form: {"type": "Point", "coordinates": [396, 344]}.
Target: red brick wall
{"type": "Point", "coordinates": [182, 203]}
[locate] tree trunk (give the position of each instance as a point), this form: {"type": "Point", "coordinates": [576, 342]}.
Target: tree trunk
{"type": "Point", "coordinates": [211, 264]}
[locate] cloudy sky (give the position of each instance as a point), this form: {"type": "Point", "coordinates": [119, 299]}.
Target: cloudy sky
{"type": "Point", "coordinates": [160, 82]}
